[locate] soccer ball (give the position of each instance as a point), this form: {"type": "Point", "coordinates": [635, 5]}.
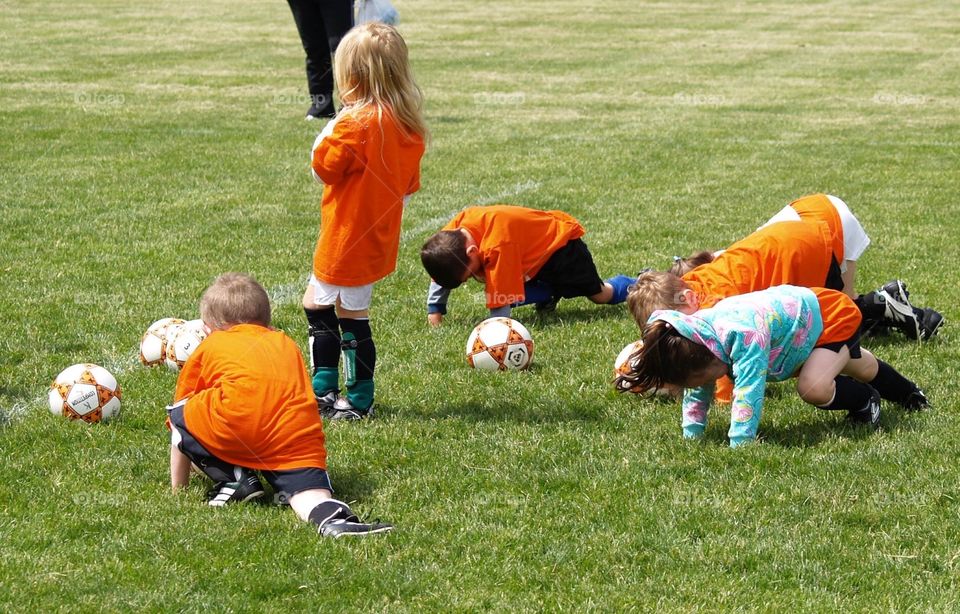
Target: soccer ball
{"type": "Point", "coordinates": [183, 343]}
{"type": "Point", "coordinates": [499, 344]}
{"type": "Point", "coordinates": [153, 344]}
{"type": "Point", "coordinates": [621, 366]}
{"type": "Point", "coordinates": [85, 392]}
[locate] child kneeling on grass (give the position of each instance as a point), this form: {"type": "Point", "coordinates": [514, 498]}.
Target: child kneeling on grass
{"type": "Point", "coordinates": [245, 403]}
{"type": "Point", "coordinates": [770, 335]}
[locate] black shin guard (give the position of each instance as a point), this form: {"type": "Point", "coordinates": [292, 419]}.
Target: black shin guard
{"type": "Point", "coordinates": [891, 385]}
{"type": "Point", "coordinates": [358, 338]}
{"type": "Point", "coordinates": [850, 394]}
{"type": "Point", "coordinates": [324, 329]}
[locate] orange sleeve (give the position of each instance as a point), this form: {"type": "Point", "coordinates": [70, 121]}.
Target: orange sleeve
{"type": "Point", "coordinates": [337, 154]}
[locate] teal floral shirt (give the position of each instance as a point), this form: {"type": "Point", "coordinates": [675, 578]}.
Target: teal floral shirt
{"type": "Point", "coordinates": [763, 336]}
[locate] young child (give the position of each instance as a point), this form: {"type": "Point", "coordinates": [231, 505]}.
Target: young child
{"type": "Point", "coordinates": [825, 253]}
{"type": "Point", "coordinates": [245, 402]}
{"type": "Point", "coordinates": [368, 158]}
{"type": "Point", "coordinates": [770, 335]}
{"type": "Point", "coordinates": [521, 255]}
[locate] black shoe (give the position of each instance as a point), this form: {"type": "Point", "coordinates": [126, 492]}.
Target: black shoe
{"type": "Point", "coordinates": [870, 414]}
{"type": "Point", "coordinates": [317, 111]}
{"type": "Point", "coordinates": [930, 323]}
{"type": "Point", "coordinates": [352, 526]}
{"type": "Point", "coordinates": [326, 401]}
{"type": "Point", "coordinates": [898, 310]}
{"type": "Point", "coordinates": [342, 409]}
{"type": "Point", "coordinates": [246, 487]}
{"type": "Point", "coordinates": [916, 401]}
{"type": "Point", "coordinates": [547, 306]}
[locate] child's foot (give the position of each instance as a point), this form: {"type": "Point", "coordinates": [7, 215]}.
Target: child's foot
{"type": "Point", "coordinates": [869, 414]}
{"type": "Point", "coordinates": [326, 400]}
{"type": "Point", "coordinates": [352, 526]}
{"type": "Point", "coordinates": [899, 312]}
{"type": "Point", "coordinates": [930, 323]}
{"type": "Point", "coordinates": [342, 409]}
{"type": "Point", "coordinates": [916, 401]}
{"type": "Point", "coordinates": [246, 488]}
{"type": "Point", "coordinates": [547, 306]}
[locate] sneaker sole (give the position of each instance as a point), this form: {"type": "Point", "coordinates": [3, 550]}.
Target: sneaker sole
{"type": "Point", "coordinates": [357, 534]}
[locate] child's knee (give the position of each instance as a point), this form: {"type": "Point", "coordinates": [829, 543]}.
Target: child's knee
{"type": "Point", "coordinates": [815, 390]}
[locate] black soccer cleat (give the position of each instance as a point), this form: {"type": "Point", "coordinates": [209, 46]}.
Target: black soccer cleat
{"type": "Point", "coordinates": [898, 310]}
{"type": "Point", "coordinates": [916, 401]}
{"type": "Point", "coordinates": [930, 323]}
{"type": "Point", "coordinates": [352, 526]}
{"type": "Point", "coordinates": [342, 409]}
{"type": "Point", "coordinates": [869, 414]}
{"type": "Point", "coordinates": [326, 401]}
{"type": "Point", "coordinates": [245, 488]}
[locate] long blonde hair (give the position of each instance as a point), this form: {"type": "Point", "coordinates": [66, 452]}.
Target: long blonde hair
{"type": "Point", "coordinates": [372, 66]}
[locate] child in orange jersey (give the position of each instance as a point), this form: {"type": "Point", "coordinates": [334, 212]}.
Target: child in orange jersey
{"type": "Point", "coordinates": [770, 335]}
{"type": "Point", "coordinates": [521, 255]}
{"type": "Point", "coordinates": [246, 403]}
{"type": "Point", "coordinates": [887, 307]}
{"type": "Point", "coordinates": [368, 158]}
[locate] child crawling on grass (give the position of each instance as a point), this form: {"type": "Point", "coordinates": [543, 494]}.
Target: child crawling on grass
{"type": "Point", "coordinates": [245, 403]}
{"type": "Point", "coordinates": [770, 335]}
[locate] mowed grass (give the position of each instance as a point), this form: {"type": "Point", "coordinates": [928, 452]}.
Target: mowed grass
{"type": "Point", "coordinates": [147, 149]}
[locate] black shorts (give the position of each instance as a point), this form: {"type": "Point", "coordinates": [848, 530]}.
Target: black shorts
{"type": "Point", "coordinates": [570, 271]}
{"type": "Point", "coordinates": [853, 344]}
{"type": "Point", "coordinates": [834, 280]}
{"type": "Point", "coordinates": [288, 481]}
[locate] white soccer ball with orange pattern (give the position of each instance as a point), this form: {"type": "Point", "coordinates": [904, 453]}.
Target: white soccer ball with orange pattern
{"type": "Point", "coordinates": [85, 392]}
{"type": "Point", "coordinates": [184, 342]}
{"type": "Point", "coordinates": [153, 344]}
{"type": "Point", "coordinates": [621, 366]}
{"type": "Point", "coordinates": [500, 344]}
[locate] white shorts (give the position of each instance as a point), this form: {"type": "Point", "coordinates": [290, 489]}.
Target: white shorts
{"type": "Point", "coordinates": [855, 239]}
{"type": "Point", "coordinates": [352, 298]}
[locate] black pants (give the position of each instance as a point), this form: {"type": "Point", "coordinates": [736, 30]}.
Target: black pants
{"type": "Point", "coordinates": [321, 24]}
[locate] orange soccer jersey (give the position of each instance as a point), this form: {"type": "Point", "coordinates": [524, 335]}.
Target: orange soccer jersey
{"type": "Point", "coordinates": [251, 402]}
{"type": "Point", "coordinates": [514, 242]}
{"type": "Point", "coordinates": [368, 164]}
{"type": "Point", "coordinates": [796, 253]}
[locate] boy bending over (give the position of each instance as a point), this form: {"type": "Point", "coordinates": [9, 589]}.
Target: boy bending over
{"type": "Point", "coordinates": [245, 403]}
{"type": "Point", "coordinates": [521, 255]}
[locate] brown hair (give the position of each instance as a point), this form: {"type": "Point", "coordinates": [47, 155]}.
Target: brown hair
{"type": "Point", "coordinates": [682, 266]}
{"type": "Point", "coordinates": [234, 298]}
{"type": "Point", "coordinates": [654, 290]}
{"type": "Point", "coordinates": [372, 67]}
{"type": "Point", "coordinates": [666, 357]}
{"type": "Point", "coordinates": [444, 256]}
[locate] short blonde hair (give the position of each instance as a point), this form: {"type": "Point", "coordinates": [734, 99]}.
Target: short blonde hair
{"type": "Point", "coordinates": [234, 298]}
{"type": "Point", "coordinates": [654, 290]}
{"type": "Point", "coordinates": [372, 66]}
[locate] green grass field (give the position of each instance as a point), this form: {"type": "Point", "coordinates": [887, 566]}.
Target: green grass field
{"type": "Point", "coordinates": [149, 147]}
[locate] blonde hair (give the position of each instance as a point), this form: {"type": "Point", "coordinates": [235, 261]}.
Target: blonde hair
{"type": "Point", "coordinates": [654, 290]}
{"type": "Point", "coordinates": [234, 298]}
{"type": "Point", "coordinates": [372, 67]}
